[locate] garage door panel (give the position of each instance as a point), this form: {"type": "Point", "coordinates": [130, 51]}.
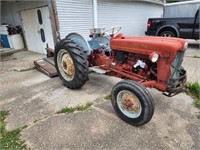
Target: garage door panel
{"type": "Point", "coordinates": [132, 16]}
{"type": "Point", "coordinates": [74, 16]}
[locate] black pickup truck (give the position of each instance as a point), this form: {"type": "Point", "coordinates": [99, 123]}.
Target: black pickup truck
{"type": "Point", "coordinates": [187, 28]}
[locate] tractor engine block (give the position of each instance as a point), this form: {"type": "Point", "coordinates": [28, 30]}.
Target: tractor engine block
{"type": "Point", "coordinates": [132, 63]}
{"type": "Point", "coordinates": [122, 62]}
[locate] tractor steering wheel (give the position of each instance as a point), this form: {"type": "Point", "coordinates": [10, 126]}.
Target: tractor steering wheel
{"type": "Point", "coordinates": [111, 31]}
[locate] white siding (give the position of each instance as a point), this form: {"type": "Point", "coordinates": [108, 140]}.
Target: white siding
{"type": "Point", "coordinates": [74, 16]}
{"type": "Point", "coordinates": [181, 9]}
{"type": "Point", "coordinates": [132, 16]}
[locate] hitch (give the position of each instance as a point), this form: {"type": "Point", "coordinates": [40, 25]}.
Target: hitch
{"type": "Point", "coordinates": [50, 51]}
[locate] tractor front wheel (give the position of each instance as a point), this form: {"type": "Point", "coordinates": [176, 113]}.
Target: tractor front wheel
{"type": "Point", "coordinates": [132, 102]}
{"type": "Point", "coordinates": [71, 64]}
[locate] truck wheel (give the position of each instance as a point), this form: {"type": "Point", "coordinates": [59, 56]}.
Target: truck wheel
{"type": "Point", "coordinates": [167, 34]}
{"type": "Point", "coordinates": [132, 102]}
{"type": "Point", "coordinates": [71, 64]}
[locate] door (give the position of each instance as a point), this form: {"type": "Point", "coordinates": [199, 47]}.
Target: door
{"type": "Point", "coordinates": [185, 27]}
{"type": "Point", "coordinates": [37, 29]}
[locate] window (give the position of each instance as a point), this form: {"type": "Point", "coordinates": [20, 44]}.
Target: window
{"type": "Point", "coordinates": [42, 35]}
{"type": "Point", "coordinates": [39, 14]}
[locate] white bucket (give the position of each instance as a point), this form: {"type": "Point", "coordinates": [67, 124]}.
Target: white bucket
{"type": "Point", "coordinates": [16, 41]}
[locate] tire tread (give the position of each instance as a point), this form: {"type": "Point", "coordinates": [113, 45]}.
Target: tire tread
{"type": "Point", "coordinates": [80, 63]}
{"type": "Point", "coordinates": [143, 92]}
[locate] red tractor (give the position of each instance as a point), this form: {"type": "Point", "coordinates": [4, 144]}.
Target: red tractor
{"type": "Point", "coordinates": [153, 62]}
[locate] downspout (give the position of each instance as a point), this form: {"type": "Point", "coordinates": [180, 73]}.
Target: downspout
{"type": "Point", "coordinates": [95, 14]}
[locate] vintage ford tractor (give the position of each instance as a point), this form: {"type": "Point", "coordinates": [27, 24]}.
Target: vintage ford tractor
{"type": "Point", "coordinates": [153, 62]}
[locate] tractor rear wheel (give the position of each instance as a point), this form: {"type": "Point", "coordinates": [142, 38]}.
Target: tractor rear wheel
{"type": "Point", "coordinates": [132, 102]}
{"type": "Point", "coordinates": [71, 64]}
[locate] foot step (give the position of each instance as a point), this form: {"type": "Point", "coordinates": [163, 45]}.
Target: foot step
{"type": "Point", "coordinates": [97, 70]}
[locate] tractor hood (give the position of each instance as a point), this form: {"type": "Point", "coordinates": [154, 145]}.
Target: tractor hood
{"type": "Point", "coordinates": [164, 46]}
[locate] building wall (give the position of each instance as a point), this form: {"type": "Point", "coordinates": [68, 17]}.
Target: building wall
{"type": "Point", "coordinates": [131, 16]}
{"type": "Point", "coordinates": [74, 16]}
{"type": "Point", "coordinates": [77, 16]}
{"type": "Point", "coordinates": [24, 13]}
{"type": "Point", "coordinates": [181, 9]}
{"type": "Point", "coordinates": [10, 11]}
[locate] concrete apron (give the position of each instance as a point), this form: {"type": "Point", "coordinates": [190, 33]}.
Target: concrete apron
{"type": "Point", "coordinates": [32, 99]}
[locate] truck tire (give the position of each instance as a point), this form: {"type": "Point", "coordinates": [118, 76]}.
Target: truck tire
{"type": "Point", "coordinates": [132, 102]}
{"type": "Point", "coordinates": [71, 64]}
{"type": "Point", "coordinates": [167, 34]}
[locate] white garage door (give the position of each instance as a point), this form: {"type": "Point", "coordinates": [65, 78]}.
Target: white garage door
{"type": "Point", "coordinates": [132, 16]}
{"type": "Point", "coordinates": [74, 16]}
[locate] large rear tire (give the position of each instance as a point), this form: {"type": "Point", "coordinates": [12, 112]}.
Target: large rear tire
{"type": "Point", "coordinates": [132, 102]}
{"type": "Point", "coordinates": [71, 64]}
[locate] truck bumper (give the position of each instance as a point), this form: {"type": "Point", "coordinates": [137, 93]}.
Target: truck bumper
{"type": "Point", "coordinates": [150, 32]}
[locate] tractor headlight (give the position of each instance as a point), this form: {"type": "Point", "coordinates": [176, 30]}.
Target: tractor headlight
{"type": "Point", "coordinates": [185, 46]}
{"type": "Point", "coordinates": [153, 57]}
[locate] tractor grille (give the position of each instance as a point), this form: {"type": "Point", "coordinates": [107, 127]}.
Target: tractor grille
{"type": "Point", "coordinates": [178, 77]}
{"type": "Point", "coordinates": [176, 65]}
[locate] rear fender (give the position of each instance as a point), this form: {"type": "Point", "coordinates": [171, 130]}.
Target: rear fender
{"type": "Point", "coordinates": [81, 41]}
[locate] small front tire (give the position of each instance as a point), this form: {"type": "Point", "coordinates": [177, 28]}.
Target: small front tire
{"type": "Point", "coordinates": [132, 102]}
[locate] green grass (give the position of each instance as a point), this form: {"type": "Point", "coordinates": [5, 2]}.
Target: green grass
{"type": "Point", "coordinates": [108, 97]}
{"type": "Point", "coordinates": [10, 139]}
{"type": "Point", "coordinates": [3, 115]}
{"type": "Point", "coordinates": [194, 91]}
{"type": "Point", "coordinates": [196, 56]}
{"type": "Point", "coordinates": [76, 108]}
{"type": "Point", "coordinates": [198, 115]}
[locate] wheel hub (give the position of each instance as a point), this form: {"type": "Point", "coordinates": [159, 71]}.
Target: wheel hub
{"type": "Point", "coordinates": [129, 104]}
{"type": "Point", "coordinates": [166, 35]}
{"type": "Point", "coordinates": [67, 65]}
